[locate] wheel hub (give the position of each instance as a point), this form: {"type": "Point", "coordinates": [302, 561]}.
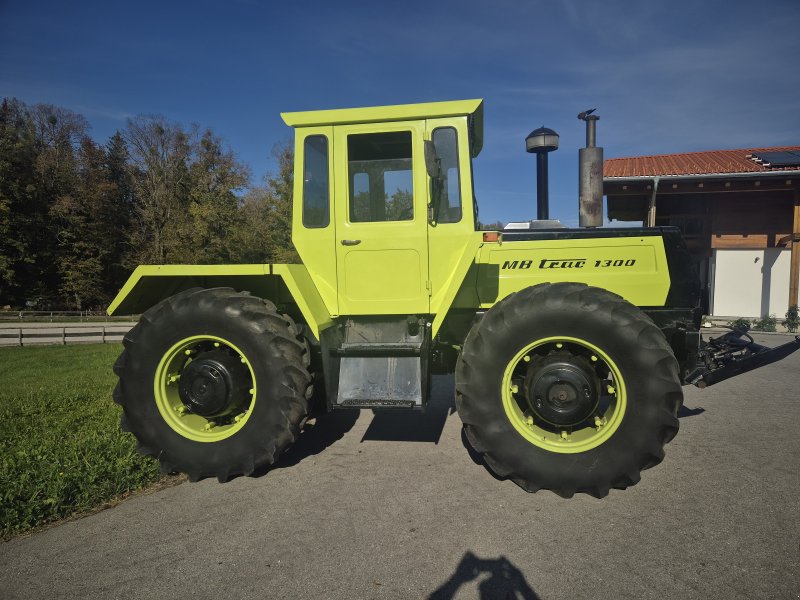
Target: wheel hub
{"type": "Point", "coordinates": [214, 384]}
{"type": "Point", "coordinates": [562, 389]}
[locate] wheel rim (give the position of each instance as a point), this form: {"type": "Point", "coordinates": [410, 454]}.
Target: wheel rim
{"type": "Point", "coordinates": [221, 385]}
{"type": "Point", "coordinates": [599, 423]}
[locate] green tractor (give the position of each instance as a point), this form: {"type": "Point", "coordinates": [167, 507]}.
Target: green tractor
{"type": "Point", "coordinates": [570, 347]}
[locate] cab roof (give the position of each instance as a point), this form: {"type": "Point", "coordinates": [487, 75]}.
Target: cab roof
{"type": "Point", "coordinates": [398, 112]}
{"type": "Point", "coordinates": [373, 114]}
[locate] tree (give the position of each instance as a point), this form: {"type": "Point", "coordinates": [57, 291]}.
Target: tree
{"type": "Point", "coordinates": [91, 222]}
{"type": "Point", "coordinates": [215, 175]}
{"type": "Point", "coordinates": [75, 216]}
{"type": "Point", "coordinates": [121, 210]}
{"type": "Point", "coordinates": [17, 188]}
{"type": "Point", "coordinates": [160, 154]}
{"type": "Point", "coordinates": [265, 232]}
{"type": "Point", "coordinates": [37, 166]}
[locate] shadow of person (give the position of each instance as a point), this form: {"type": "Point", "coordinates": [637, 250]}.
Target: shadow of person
{"type": "Point", "coordinates": [689, 412]}
{"type": "Point", "coordinates": [318, 433]}
{"type": "Point", "coordinates": [504, 580]}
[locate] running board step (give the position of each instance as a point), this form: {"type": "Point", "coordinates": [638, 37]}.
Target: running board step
{"type": "Point", "coordinates": [380, 349]}
{"type": "Point", "coordinates": [377, 362]}
{"type": "Point", "coordinates": [372, 381]}
{"type": "Point", "coordinates": [378, 404]}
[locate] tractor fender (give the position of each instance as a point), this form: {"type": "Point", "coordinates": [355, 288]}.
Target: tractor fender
{"type": "Point", "coordinates": [280, 283]}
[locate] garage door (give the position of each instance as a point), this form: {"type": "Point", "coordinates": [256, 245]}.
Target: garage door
{"type": "Point", "coordinates": [750, 283]}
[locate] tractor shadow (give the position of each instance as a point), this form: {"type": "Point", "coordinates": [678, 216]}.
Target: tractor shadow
{"type": "Point", "coordinates": [318, 434]}
{"type": "Point", "coordinates": [404, 425]}
{"type": "Point", "coordinates": [477, 457]}
{"type": "Point", "coordinates": [496, 578]}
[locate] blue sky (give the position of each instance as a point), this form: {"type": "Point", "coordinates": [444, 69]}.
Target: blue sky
{"type": "Point", "coordinates": [670, 76]}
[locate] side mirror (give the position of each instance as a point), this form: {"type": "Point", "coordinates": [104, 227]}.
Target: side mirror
{"type": "Point", "coordinates": [432, 162]}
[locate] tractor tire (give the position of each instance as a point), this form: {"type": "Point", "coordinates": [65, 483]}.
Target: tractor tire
{"type": "Point", "coordinates": [214, 383]}
{"type": "Point", "coordinates": [568, 388]}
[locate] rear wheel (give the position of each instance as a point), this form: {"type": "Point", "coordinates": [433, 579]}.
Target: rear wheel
{"type": "Point", "coordinates": [213, 383]}
{"type": "Point", "coordinates": [569, 388]}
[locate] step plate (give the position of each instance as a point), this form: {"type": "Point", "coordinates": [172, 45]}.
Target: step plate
{"type": "Point", "coordinates": [380, 381]}
{"type": "Point", "coordinates": [378, 404]}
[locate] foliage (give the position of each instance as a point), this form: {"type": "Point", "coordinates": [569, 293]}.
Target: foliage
{"type": "Point", "coordinates": [61, 448]}
{"type": "Point", "coordinates": [792, 321]}
{"type": "Point", "coordinates": [264, 234]}
{"type": "Point", "coordinates": [77, 216]}
{"type": "Point", "coordinates": [496, 226]}
{"type": "Point", "coordinates": [740, 323]}
{"type": "Point", "coordinates": [87, 223]}
{"type": "Point", "coordinates": [160, 155]}
{"type": "Point", "coordinates": [766, 323]}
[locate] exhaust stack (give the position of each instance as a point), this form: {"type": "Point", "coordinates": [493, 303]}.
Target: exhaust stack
{"type": "Point", "coordinates": [590, 175]}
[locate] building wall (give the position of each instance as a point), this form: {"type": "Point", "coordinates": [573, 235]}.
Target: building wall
{"type": "Point", "coordinates": [750, 283]}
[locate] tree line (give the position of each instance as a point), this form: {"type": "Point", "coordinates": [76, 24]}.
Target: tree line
{"type": "Point", "coordinates": [76, 216]}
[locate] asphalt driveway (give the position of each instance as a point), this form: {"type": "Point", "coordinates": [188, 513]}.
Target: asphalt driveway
{"type": "Point", "coordinates": [394, 506]}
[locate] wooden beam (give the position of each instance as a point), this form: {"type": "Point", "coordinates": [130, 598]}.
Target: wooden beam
{"type": "Point", "coordinates": [744, 241]}
{"type": "Point", "coordinates": [750, 240]}
{"type": "Point", "coordinates": [794, 266]}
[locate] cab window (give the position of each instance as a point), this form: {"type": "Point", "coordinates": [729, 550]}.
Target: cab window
{"type": "Point", "coordinates": [316, 190]}
{"type": "Point", "coordinates": [381, 177]}
{"type": "Point", "coordinates": [446, 189]}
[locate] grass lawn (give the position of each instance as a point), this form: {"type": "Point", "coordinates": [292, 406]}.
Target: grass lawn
{"type": "Point", "coordinates": [61, 448]}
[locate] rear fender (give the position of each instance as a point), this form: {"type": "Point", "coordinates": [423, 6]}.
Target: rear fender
{"type": "Point", "coordinates": [281, 283]}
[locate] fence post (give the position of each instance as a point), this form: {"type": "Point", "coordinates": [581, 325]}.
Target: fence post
{"type": "Point", "coordinates": [104, 334]}
{"type": "Point", "coordinates": [63, 336]}
{"type": "Point", "coordinates": [20, 336]}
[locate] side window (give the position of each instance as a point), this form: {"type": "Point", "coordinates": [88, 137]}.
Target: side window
{"type": "Point", "coordinates": [446, 191]}
{"type": "Point", "coordinates": [316, 194]}
{"type": "Point", "coordinates": [381, 177]}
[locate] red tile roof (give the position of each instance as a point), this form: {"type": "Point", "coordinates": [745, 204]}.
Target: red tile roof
{"type": "Point", "coordinates": [692, 163]}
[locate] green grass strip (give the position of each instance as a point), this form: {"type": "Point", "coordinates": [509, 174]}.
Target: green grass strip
{"type": "Point", "coordinates": [61, 448]}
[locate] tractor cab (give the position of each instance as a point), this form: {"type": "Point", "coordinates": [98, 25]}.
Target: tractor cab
{"type": "Point", "coordinates": [380, 228]}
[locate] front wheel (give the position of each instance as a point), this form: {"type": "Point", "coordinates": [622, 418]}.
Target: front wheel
{"type": "Point", "coordinates": [213, 382]}
{"type": "Point", "coordinates": [568, 388]}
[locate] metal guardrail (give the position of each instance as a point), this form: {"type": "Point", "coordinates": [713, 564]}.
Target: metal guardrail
{"type": "Point", "coordinates": [63, 334]}
{"type": "Point", "coordinates": [58, 315]}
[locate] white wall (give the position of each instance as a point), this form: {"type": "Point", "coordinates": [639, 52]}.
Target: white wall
{"type": "Point", "coordinates": [751, 283]}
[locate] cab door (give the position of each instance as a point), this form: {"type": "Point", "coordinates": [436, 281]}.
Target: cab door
{"type": "Point", "coordinates": [381, 219]}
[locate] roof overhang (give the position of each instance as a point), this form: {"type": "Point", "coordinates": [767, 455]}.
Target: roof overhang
{"type": "Point", "coordinates": [375, 114]}
{"type": "Point", "coordinates": [704, 176]}
{"type": "Point", "coordinates": [473, 109]}
{"type": "Point", "coordinates": [628, 197]}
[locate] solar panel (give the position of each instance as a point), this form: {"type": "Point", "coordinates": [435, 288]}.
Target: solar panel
{"type": "Point", "coordinates": [778, 159]}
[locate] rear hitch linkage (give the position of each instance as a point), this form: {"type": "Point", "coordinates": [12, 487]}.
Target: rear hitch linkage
{"type": "Point", "coordinates": [732, 354]}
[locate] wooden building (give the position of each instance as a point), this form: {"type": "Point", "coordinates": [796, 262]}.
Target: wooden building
{"type": "Point", "coordinates": [739, 211]}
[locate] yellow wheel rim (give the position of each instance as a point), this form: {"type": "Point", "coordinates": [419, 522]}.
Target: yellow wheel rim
{"type": "Point", "coordinates": [597, 429]}
{"type": "Point", "coordinates": [174, 412]}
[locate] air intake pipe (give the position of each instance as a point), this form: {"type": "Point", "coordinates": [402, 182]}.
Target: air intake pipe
{"type": "Point", "coordinates": [540, 142]}
{"type": "Point", "coordinates": [590, 175]}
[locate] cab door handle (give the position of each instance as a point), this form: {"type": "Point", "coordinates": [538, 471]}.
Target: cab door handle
{"type": "Point", "coordinates": [350, 242]}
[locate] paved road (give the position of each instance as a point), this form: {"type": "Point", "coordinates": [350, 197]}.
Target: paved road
{"type": "Point", "coordinates": [375, 507]}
